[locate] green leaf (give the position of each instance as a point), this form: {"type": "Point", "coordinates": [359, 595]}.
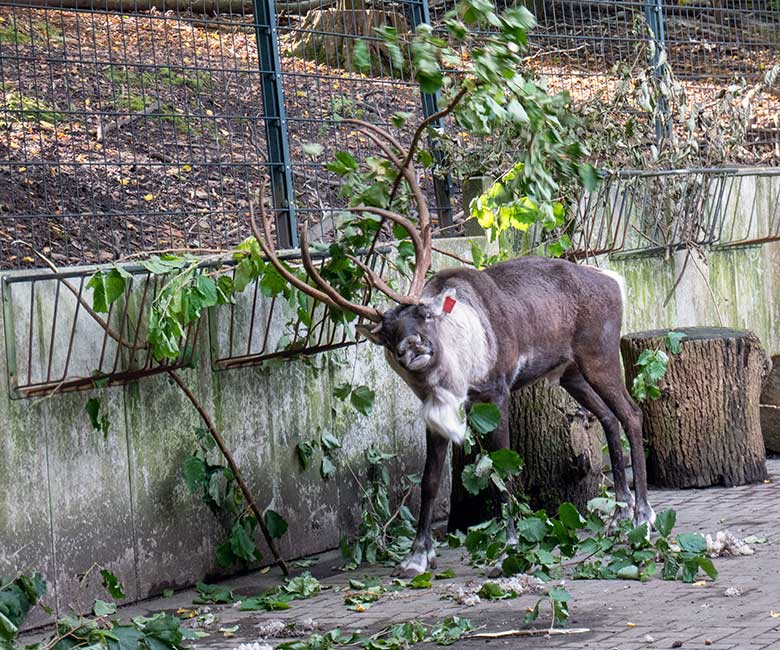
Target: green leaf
{"type": "Point", "coordinates": [362, 399]}
{"type": "Point", "coordinates": [637, 537]}
{"type": "Point", "coordinates": [213, 594]}
{"type": "Point", "coordinates": [692, 543]}
{"type": "Point", "coordinates": [445, 575]}
{"type": "Point", "coordinates": [589, 176]}
{"type": "Point", "coordinates": [327, 468]}
{"type": "Point", "coordinates": [302, 586]}
{"type": "Point", "coordinates": [484, 417]}
{"type": "Point", "coordinates": [125, 637]}
{"type": "Point", "coordinates": [305, 452]}
{"type": "Point", "coordinates": [559, 595]}
{"type": "Point", "coordinates": [421, 581]}
{"type": "Point", "coordinates": [343, 164]}
{"type": "Point", "coordinates": [102, 608]}
{"type": "Point", "coordinates": [361, 56]}
{"type": "Point", "coordinates": [665, 521]}
{"type": "Point", "coordinates": [706, 565]}
{"type": "Point", "coordinates": [400, 118]}
{"type": "Point", "coordinates": [570, 516]}
{"type": "Point", "coordinates": [275, 523]}
{"type": "Point", "coordinates": [241, 543]}
{"type": "Point", "coordinates": [93, 411]}
{"type": "Point", "coordinates": [112, 584]}
{"type": "Point", "coordinates": [97, 285]}
{"type": "Point", "coordinates": [506, 462]}
{"type": "Point", "coordinates": [532, 529]}
{"type": "Point", "coordinates": [329, 441]}
{"type": "Point", "coordinates": [672, 342]}
{"type": "Point", "coordinates": [630, 572]}
{"type": "Point", "coordinates": [195, 474]}
{"type": "Point", "coordinates": [494, 591]}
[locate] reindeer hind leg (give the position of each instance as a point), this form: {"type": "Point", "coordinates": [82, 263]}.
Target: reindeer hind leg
{"type": "Point", "coordinates": [576, 385]}
{"type": "Point", "coordinates": [605, 376]}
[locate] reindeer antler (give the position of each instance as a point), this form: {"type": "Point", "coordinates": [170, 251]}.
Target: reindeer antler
{"type": "Point", "coordinates": [325, 293]}
{"type": "Point", "coordinates": [419, 234]}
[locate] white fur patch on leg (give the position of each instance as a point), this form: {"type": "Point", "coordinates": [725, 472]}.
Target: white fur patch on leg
{"type": "Point", "coordinates": [443, 413]}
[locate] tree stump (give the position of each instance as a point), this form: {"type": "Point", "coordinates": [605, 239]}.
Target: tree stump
{"type": "Point", "coordinates": [705, 428]}
{"type": "Point", "coordinates": [560, 444]}
{"type": "Point", "coordinates": [770, 408]}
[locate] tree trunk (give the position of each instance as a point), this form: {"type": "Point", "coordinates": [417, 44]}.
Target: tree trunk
{"type": "Point", "coordinates": [329, 36]}
{"type": "Point", "coordinates": [705, 428]}
{"type": "Point", "coordinates": [560, 444]}
{"type": "Point", "coordinates": [770, 408]}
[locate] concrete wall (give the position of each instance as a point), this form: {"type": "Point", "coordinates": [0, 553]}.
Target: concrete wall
{"type": "Point", "coordinates": [70, 497]}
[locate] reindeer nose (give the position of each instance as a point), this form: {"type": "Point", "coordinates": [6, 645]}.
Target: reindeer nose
{"type": "Point", "coordinates": [409, 343]}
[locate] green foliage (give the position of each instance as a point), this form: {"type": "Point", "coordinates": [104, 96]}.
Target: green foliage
{"type": "Point", "coordinates": [17, 597]}
{"type": "Point", "coordinates": [385, 533]}
{"type": "Point", "coordinates": [216, 485]}
{"type": "Point", "coordinates": [278, 598]}
{"type": "Point", "coordinates": [652, 365]}
{"type": "Point", "coordinates": [361, 398]}
{"type": "Point", "coordinates": [99, 421]}
{"type": "Point", "coordinates": [399, 636]}
{"type": "Point", "coordinates": [100, 632]}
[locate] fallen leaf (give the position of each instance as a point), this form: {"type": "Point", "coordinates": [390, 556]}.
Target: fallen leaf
{"type": "Point", "coordinates": [149, 197]}
{"type": "Point", "coordinates": [630, 624]}
{"type": "Point", "coordinates": [700, 583]}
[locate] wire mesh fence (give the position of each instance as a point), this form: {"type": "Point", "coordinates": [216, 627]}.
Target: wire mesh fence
{"type": "Point", "coordinates": [137, 125]}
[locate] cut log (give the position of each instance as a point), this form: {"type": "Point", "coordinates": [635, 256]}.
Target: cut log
{"type": "Point", "coordinates": [705, 427]}
{"type": "Point", "coordinates": [770, 408]}
{"type": "Point", "coordinates": [560, 444]}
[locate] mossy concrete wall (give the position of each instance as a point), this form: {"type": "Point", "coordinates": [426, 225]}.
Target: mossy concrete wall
{"type": "Point", "coordinates": [71, 497]}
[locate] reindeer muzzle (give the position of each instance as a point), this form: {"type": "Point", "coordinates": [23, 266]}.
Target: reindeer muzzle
{"type": "Point", "coordinates": [414, 353]}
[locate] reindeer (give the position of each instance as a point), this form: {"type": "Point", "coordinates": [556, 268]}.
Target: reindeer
{"type": "Point", "coordinates": [466, 336]}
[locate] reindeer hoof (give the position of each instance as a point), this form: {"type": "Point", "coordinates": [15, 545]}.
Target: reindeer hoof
{"type": "Point", "coordinates": [417, 563]}
{"type": "Point", "coordinates": [644, 515]}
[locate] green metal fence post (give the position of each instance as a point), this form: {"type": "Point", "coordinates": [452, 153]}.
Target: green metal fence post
{"type": "Point", "coordinates": [441, 185]}
{"type": "Point", "coordinates": [275, 118]}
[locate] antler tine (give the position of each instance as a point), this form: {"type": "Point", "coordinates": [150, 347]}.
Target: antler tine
{"type": "Point", "coordinates": [376, 280]}
{"type": "Point", "coordinates": [367, 126]}
{"type": "Point", "coordinates": [422, 241]}
{"type": "Point", "coordinates": [422, 255]}
{"type": "Point", "coordinates": [290, 277]}
{"type": "Point", "coordinates": [342, 303]}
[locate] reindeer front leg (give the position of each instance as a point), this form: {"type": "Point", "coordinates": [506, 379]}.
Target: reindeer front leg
{"type": "Point", "coordinates": [423, 557]}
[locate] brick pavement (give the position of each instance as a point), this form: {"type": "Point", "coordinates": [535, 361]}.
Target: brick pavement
{"type": "Point", "coordinates": [621, 615]}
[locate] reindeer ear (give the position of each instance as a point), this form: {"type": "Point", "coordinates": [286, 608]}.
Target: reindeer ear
{"type": "Point", "coordinates": [372, 332]}
{"type": "Point", "coordinates": [443, 302]}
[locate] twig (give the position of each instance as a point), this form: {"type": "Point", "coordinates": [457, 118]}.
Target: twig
{"type": "Point", "coordinates": [454, 256]}
{"type": "Point", "coordinates": [233, 466]}
{"type": "Point", "coordinates": [535, 632]}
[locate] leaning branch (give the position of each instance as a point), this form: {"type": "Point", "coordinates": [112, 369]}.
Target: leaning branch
{"type": "Point", "coordinates": [233, 467]}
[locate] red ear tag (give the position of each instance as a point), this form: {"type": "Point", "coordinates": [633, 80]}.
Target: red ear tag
{"type": "Point", "coordinates": [449, 304]}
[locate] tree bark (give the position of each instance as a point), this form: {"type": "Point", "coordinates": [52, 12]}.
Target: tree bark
{"type": "Point", "coordinates": [560, 444]}
{"type": "Point", "coordinates": [705, 428]}
{"type": "Point", "coordinates": [770, 408]}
